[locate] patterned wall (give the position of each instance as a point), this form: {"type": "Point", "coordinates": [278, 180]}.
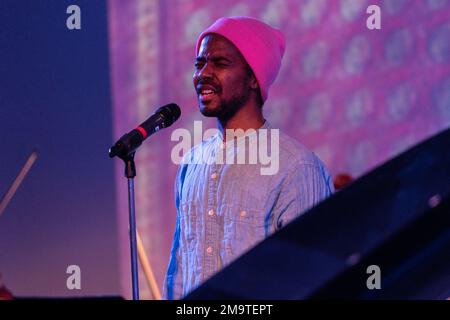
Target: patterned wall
{"type": "Point", "coordinates": [355, 96]}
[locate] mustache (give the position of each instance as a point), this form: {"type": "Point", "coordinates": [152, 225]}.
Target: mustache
{"type": "Point", "coordinates": [212, 84]}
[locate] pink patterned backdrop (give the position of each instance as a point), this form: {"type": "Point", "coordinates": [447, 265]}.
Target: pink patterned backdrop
{"type": "Point", "coordinates": [356, 97]}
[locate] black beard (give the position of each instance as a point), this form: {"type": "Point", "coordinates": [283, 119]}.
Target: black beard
{"type": "Point", "coordinates": [227, 109]}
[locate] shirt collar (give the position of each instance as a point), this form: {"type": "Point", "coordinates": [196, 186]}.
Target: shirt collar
{"type": "Point", "coordinates": [266, 125]}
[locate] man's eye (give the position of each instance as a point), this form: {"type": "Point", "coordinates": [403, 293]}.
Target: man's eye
{"type": "Point", "coordinates": [198, 65]}
{"type": "Point", "coordinates": [221, 64]}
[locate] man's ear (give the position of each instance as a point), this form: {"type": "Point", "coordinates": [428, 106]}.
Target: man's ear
{"type": "Point", "coordinates": [253, 82]}
{"type": "Point", "coordinates": [254, 86]}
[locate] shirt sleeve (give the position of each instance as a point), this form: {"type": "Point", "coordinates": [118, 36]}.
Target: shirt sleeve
{"type": "Point", "coordinates": [173, 286]}
{"type": "Point", "coordinates": [305, 186]}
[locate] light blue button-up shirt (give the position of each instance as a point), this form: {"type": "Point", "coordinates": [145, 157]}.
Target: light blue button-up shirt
{"type": "Point", "coordinates": [224, 209]}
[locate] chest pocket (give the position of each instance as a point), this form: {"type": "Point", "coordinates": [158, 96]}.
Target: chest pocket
{"type": "Point", "coordinates": [243, 228]}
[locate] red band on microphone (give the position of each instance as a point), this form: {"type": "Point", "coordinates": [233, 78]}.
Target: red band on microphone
{"type": "Point", "coordinates": [142, 131]}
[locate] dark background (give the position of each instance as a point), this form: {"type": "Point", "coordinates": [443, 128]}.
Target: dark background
{"type": "Point", "coordinates": [55, 96]}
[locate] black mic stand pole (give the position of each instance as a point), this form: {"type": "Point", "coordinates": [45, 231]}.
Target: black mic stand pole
{"type": "Point", "coordinates": [130, 173]}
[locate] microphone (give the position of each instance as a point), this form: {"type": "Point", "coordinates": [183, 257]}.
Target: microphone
{"type": "Point", "coordinates": [129, 142]}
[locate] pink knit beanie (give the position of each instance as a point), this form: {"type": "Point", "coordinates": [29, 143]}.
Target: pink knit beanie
{"type": "Point", "coordinates": [261, 45]}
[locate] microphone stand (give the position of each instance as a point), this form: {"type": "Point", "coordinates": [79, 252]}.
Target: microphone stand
{"type": "Point", "coordinates": [124, 149]}
{"type": "Point", "coordinates": [130, 173]}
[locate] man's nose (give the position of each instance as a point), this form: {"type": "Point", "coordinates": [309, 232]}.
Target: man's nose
{"type": "Point", "coordinates": [205, 72]}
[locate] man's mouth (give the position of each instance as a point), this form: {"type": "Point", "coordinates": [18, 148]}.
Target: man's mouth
{"type": "Point", "coordinates": [206, 93]}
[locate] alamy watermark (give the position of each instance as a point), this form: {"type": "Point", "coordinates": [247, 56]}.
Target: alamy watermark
{"type": "Point", "coordinates": [374, 20]}
{"type": "Point", "coordinates": [374, 280]}
{"type": "Point", "coordinates": [251, 146]}
{"type": "Point", "coordinates": [73, 21]}
{"type": "Point", "coordinates": [73, 282]}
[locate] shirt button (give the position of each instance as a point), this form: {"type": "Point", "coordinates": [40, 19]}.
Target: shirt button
{"type": "Point", "coordinates": [209, 250]}
{"type": "Point", "coordinates": [222, 146]}
{"type": "Point", "coordinates": [211, 212]}
{"type": "Point", "coordinates": [243, 213]}
{"type": "Point", "coordinates": [214, 176]}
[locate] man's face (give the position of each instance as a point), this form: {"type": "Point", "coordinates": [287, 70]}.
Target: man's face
{"type": "Point", "coordinates": [222, 79]}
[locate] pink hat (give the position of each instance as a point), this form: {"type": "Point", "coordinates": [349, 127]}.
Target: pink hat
{"type": "Point", "coordinates": [261, 45]}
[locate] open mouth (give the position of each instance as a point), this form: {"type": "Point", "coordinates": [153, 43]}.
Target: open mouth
{"type": "Point", "coordinates": [206, 93]}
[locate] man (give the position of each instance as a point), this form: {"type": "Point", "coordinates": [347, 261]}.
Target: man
{"type": "Point", "coordinates": [225, 208]}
